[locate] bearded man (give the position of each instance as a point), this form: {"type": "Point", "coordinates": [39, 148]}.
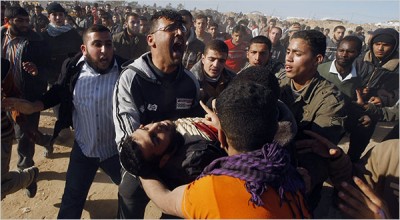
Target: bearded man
{"type": "Point", "coordinates": [84, 92]}
{"type": "Point", "coordinates": [25, 50]}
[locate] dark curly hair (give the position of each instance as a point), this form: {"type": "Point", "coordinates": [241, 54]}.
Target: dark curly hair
{"type": "Point", "coordinates": [248, 114]}
{"type": "Point", "coordinates": [315, 39]}
{"type": "Point", "coordinates": [133, 161]}
{"type": "Point", "coordinates": [261, 75]}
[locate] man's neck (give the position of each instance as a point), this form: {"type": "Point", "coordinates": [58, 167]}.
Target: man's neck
{"type": "Point", "coordinates": [343, 70]}
{"type": "Point", "coordinates": [300, 85]}
{"type": "Point", "coordinates": [303, 82]}
{"type": "Point", "coordinates": [200, 33]}
{"type": "Point", "coordinates": [335, 40]}
{"type": "Point", "coordinates": [14, 34]}
{"type": "Point", "coordinates": [130, 34]}
{"type": "Point", "coordinates": [235, 42]}
{"type": "Point", "coordinates": [160, 64]}
{"type": "Point", "coordinates": [231, 151]}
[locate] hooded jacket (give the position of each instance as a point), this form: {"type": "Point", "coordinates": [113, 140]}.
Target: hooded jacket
{"type": "Point", "coordinates": [141, 97]}
{"type": "Point", "coordinates": [381, 74]}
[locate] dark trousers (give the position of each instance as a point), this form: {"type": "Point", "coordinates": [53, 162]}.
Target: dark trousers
{"type": "Point", "coordinates": [26, 145]}
{"type": "Point", "coordinates": [80, 174]}
{"type": "Point", "coordinates": [132, 199]}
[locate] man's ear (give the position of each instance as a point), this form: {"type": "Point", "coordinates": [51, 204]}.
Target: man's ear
{"type": "Point", "coordinates": [319, 58]}
{"type": "Point", "coordinates": [150, 40]}
{"type": "Point", "coordinates": [83, 49]}
{"type": "Point", "coordinates": [202, 58]}
{"type": "Point", "coordinates": [222, 139]}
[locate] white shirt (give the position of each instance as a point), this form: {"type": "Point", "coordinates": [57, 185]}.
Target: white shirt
{"type": "Point", "coordinates": [352, 74]}
{"type": "Point", "coordinates": [92, 115]}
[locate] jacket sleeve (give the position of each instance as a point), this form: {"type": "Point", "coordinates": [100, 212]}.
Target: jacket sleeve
{"type": "Point", "coordinates": [384, 113]}
{"type": "Point", "coordinates": [52, 97]}
{"type": "Point", "coordinates": [330, 117]}
{"type": "Point", "coordinates": [59, 92]}
{"type": "Point", "coordinates": [126, 114]}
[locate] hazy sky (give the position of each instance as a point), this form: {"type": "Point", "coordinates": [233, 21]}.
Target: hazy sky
{"type": "Point", "coordinates": [356, 11]}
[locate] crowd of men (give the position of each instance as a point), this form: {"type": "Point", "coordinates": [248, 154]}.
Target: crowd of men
{"type": "Point", "coordinates": [208, 118]}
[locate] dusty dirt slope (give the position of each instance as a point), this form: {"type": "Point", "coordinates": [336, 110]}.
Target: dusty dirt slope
{"type": "Point", "coordinates": [102, 199]}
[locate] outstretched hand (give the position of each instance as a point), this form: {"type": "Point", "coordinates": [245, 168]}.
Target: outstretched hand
{"type": "Point", "coordinates": [373, 100]}
{"type": "Point", "coordinates": [211, 118]}
{"type": "Point", "coordinates": [364, 204]}
{"type": "Point", "coordinates": [319, 145]}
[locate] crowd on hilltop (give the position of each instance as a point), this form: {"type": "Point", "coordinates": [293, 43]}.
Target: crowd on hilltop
{"type": "Point", "coordinates": [195, 108]}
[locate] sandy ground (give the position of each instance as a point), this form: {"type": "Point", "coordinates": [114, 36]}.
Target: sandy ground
{"type": "Point", "coordinates": [102, 198]}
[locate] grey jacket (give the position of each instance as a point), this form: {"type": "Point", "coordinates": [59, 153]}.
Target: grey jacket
{"type": "Point", "coordinates": [142, 97]}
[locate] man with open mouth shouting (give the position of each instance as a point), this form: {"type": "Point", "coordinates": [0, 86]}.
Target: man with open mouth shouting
{"type": "Point", "coordinates": [152, 88]}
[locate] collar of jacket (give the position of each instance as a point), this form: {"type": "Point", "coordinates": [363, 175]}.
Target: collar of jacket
{"type": "Point", "coordinates": [390, 65]}
{"type": "Point", "coordinates": [226, 75]}
{"type": "Point", "coordinates": [308, 93]}
{"type": "Point", "coordinates": [127, 36]}
{"type": "Point", "coordinates": [223, 79]}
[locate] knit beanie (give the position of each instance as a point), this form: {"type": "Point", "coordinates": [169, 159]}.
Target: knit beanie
{"type": "Point", "coordinates": [386, 38]}
{"type": "Point", "coordinates": [54, 7]}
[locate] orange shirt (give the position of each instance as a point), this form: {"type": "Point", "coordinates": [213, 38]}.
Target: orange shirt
{"type": "Point", "coordinates": [226, 197]}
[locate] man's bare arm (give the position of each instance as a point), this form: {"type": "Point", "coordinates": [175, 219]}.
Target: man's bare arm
{"type": "Point", "coordinates": [170, 202]}
{"type": "Point", "coordinates": [22, 105]}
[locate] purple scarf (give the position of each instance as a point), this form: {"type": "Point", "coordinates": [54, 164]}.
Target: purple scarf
{"type": "Point", "coordinates": [268, 166]}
